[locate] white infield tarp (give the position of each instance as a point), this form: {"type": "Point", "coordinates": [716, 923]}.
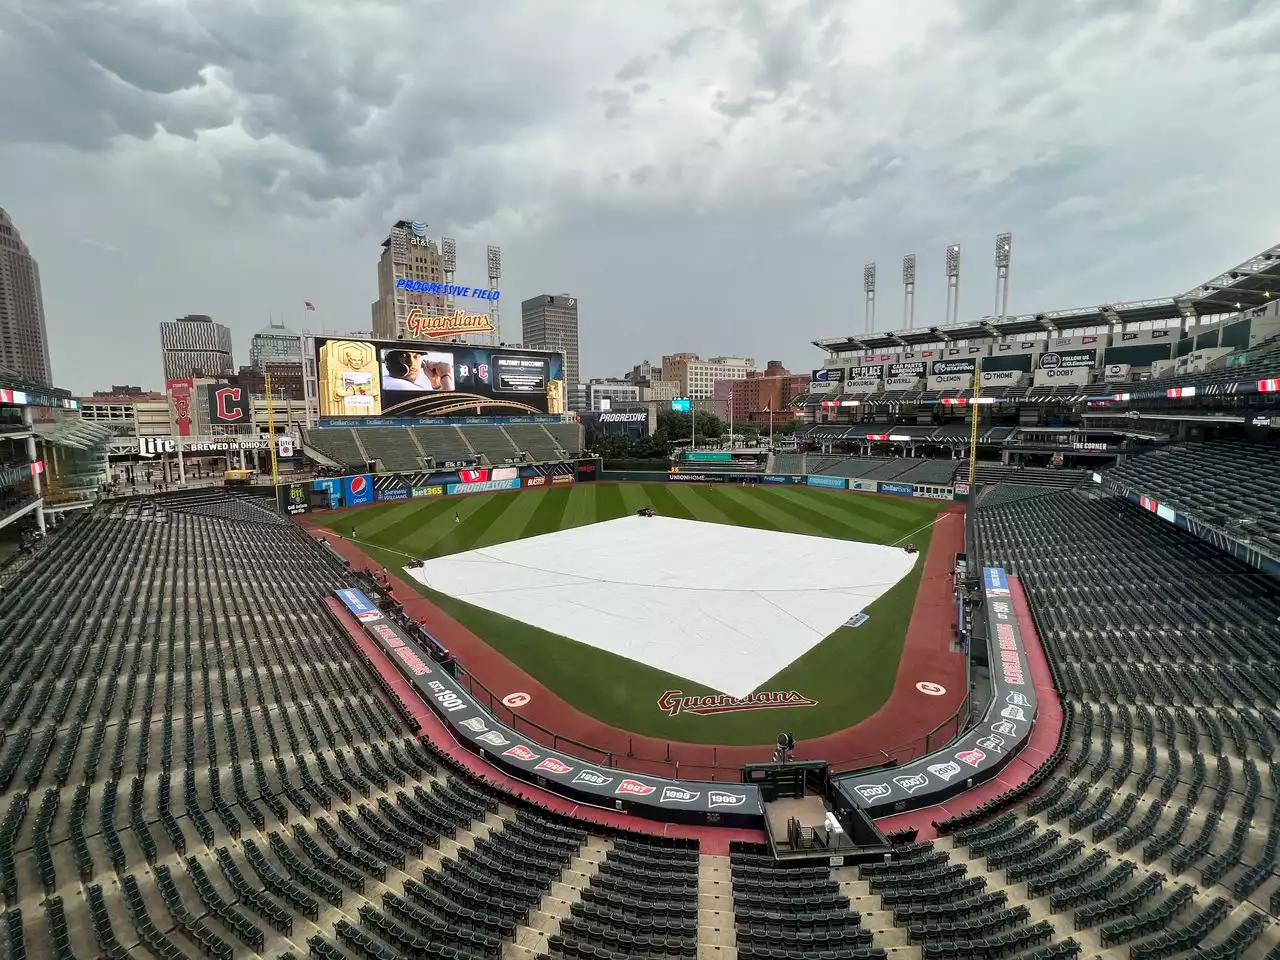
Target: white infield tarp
{"type": "Point", "coordinates": [724, 606]}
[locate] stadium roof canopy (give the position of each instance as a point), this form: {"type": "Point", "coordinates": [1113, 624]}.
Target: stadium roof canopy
{"type": "Point", "coordinates": [1251, 284]}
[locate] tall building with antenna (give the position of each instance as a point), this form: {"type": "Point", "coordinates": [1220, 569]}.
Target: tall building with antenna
{"type": "Point", "coordinates": [419, 296]}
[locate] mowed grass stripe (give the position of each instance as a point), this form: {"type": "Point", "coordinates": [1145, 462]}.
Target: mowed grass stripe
{"type": "Point", "coordinates": [825, 513]}
{"type": "Point", "coordinates": [548, 514]}
{"type": "Point", "coordinates": [696, 501]}
{"type": "Point", "coordinates": [610, 504]}
{"type": "Point", "coordinates": [664, 501]}
{"type": "Point", "coordinates": [771, 508]}
{"type": "Point", "coordinates": [741, 511]}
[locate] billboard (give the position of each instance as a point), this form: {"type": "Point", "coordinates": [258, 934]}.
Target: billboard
{"type": "Point", "coordinates": [180, 402]}
{"type": "Point", "coordinates": [397, 378]}
{"type": "Point", "coordinates": [999, 378]}
{"type": "Point", "coordinates": [633, 423]}
{"type": "Point", "coordinates": [228, 406]}
{"type": "Point", "coordinates": [897, 489]}
{"type": "Point", "coordinates": [827, 375]}
{"type": "Point", "coordinates": [901, 383]}
{"type": "Point", "coordinates": [1063, 377]}
{"type": "Point", "coordinates": [832, 483]}
{"type": "Point", "coordinates": [944, 367]}
{"type": "Point", "coordinates": [913, 368]}
{"type": "Point", "coordinates": [1117, 372]}
{"type": "Point", "coordinates": [950, 381]}
{"type": "Point", "coordinates": [1068, 359]}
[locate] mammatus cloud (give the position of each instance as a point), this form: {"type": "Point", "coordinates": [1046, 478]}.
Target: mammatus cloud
{"type": "Point", "coordinates": [242, 157]}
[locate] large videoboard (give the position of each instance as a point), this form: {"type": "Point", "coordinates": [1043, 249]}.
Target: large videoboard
{"type": "Point", "coordinates": [408, 378]}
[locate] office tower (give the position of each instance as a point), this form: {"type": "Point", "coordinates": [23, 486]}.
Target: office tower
{"type": "Point", "coordinates": [24, 341]}
{"type": "Point", "coordinates": [550, 322]}
{"type": "Point", "coordinates": [195, 345]}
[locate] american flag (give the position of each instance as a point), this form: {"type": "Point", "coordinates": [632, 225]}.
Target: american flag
{"type": "Point", "coordinates": [309, 305]}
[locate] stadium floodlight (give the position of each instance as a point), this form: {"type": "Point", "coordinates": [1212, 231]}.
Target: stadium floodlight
{"type": "Point", "coordinates": [1109, 314]}
{"type": "Point", "coordinates": [869, 278]}
{"type": "Point", "coordinates": [869, 292]}
{"type": "Point", "coordinates": [953, 283]}
{"type": "Point", "coordinates": [1004, 245]}
{"type": "Point", "coordinates": [909, 268]}
{"type": "Point", "coordinates": [449, 254]}
{"type": "Point", "coordinates": [495, 263]}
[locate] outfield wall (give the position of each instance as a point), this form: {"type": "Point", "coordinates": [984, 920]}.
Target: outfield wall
{"type": "Point", "coordinates": [924, 491]}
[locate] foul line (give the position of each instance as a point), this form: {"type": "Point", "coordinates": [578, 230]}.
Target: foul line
{"type": "Point", "coordinates": [932, 523]}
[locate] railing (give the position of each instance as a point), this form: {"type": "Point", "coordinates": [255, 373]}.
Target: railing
{"type": "Point", "coordinates": [694, 761]}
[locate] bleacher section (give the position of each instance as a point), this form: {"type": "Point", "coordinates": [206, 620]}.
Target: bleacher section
{"type": "Point", "coordinates": [403, 448]}
{"type": "Point", "coordinates": [442, 443]}
{"type": "Point", "coordinates": [339, 444]}
{"type": "Point", "coordinates": [393, 447]}
{"type": "Point", "coordinates": [899, 469]}
{"type": "Point", "coordinates": [197, 760]}
{"type": "Point", "coordinates": [790, 463]}
{"type": "Point", "coordinates": [1231, 485]}
{"type": "Point", "coordinates": [1160, 832]}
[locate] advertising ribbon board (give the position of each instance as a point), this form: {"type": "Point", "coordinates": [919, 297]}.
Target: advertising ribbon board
{"type": "Point", "coordinates": [980, 753]}
{"type": "Point", "coordinates": [832, 483]}
{"type": "Point", "coordinates": [639, 794]}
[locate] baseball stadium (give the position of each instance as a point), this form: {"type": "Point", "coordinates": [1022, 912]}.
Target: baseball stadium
{"type": "Point", "coordinates": [970, 650]}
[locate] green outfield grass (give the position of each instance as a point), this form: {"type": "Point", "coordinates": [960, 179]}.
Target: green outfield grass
{"type": "Point", "coordinates": [850, 674]}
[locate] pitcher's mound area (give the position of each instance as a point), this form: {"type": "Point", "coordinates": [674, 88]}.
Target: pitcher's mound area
{"type": "Point", "coordinates": [723, 606]}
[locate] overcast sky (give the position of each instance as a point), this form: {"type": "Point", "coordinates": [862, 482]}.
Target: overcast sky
{"type": "Point", "coordinates": [706, 175]}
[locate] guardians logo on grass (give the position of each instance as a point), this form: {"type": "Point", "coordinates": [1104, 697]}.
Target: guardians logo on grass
{"type": "Point", "coordinates": [674, 702]}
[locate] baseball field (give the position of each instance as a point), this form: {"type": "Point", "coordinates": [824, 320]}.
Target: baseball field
{"type": "Point", "coordinates": [844, 678]}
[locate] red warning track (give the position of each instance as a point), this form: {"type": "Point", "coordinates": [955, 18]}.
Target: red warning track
{"type": "Point", "coordinates": [900, 729]}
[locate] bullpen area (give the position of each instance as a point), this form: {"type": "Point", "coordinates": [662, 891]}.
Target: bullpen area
{"type": "Point", "coordinates": [733, 613]}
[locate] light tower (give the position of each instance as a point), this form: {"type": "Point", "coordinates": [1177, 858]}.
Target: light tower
{"type": "Point", "coordinates": [1004, 248]}
{"type": "Point", "coordinates": [953, 283]}
{"type": "Point", "coordinates": [869, 292]}
{"type": "Point", "coordinates": [909, 291]}
{"type": "Point", "coordinates": [449, 267]}
{"type": "Point", "coordinates": [495, 274]}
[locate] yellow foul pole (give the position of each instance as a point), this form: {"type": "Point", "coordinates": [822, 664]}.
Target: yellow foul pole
{"type": "Point", "coordinates": [973, 426]}
{"type": "Point", "coordinates": [271, 430]}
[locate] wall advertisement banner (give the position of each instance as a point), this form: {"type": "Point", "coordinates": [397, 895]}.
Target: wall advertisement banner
{"type": "Point", "coordinates": [429, 490]}
{"type": "Point", "coordinates": [657, 798]}
{"type": "Point", "coordinates": [928, 491]}
{"type": "Point", "coordinates": [1063, 377]}
{"type": "Point", "coordinates": [999, 378]}
{"type": "Point", "coordinates": [980, 753]}
{"type": "Point", "coordinates": [872, 371]}
{"type": "Point", "coordinates": [394, 493]}
{"type": "Point", "coordinates": [827, 375]}
{"type": "Point", "coordinates": [832, 483]}
{"type": "Point", "coordinates": [861, 385]}
{"type": "Point", "coordinates": [865, 486]}
{"type": "Point", "coordinates": [696, 477]}
{"type": "Point", "coordinates": [1067, 359]}
{"type": "Point", "coordinates": [782, 478]}
{"type": "Point", "coordinates": [951, 381]}
{"type": "Point", "coordinates": [901, 383]}
{"type": "Point", "coordinates": [943, 367]}
{"type": "Point", "coordinates": [914, 368]}
{"type": "Point", "coordinates": [483, 486]}
{"type": "Point", "coordinates": [897, 489]}
{"type": "Point", "coordinates": [1116, 373]}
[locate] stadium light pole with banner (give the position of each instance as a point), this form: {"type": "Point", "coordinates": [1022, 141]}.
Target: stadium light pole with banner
{"type": "Point", "coordinates": [909, 291]}
{"type": "Point", "coordinates": [953, 283]}
{"type": "Point", "coordinates": [449, 267]}
{"type": "Point", "coordinates": [271, 429]}
{"type": "Point", "coordinates": [495, 274]}
{"type": "Point", "coordinates": [869, 293]}
{"type": "Point", "coordinates": [973, 425]}
{"type": "Point", "coordinates": [1004, 247]}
